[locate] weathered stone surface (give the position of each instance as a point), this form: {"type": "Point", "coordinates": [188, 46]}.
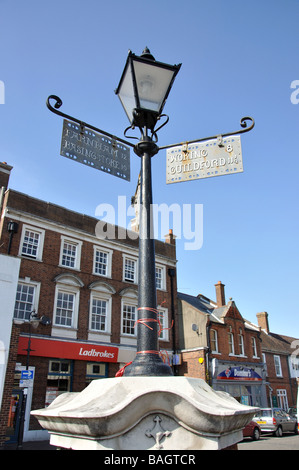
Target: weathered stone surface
{"type": "Point", "coordinates": [145, 413]}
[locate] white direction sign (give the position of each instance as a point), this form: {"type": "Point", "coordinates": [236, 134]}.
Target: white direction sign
{"type": "Point", "coordinates": [215, 157]}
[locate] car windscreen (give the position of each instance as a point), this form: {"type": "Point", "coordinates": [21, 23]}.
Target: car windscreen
{"type": "Point", "coordinates": [266, 413]}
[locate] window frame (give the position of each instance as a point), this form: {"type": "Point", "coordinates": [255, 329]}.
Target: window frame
{"type": "Point", "coordinates": [128, 303]}
{"type": "Point", "coordinates": [254, 347]}
{"type": "Point", "coordinates": [69, 284]}
{"type": "Point", "coordinates": [77, 260]}
{"type": "Point", "coordinates": [96, 249]}
{"type": "Point", "coordinates": [162, 278]}
{"type": "Point", "coordinates": [35, 301]}
{"type": "Point", "coordinates": [215, 340]}
{"type": "Point", "coordinates": [40, 246]}
{"type": "Point", "coordinates": [241, 343]}
{"type": "Point", "coordinates": [135, 277]}
{"type": "Point", "coordinates": [231, 345]}
{"type": "Point", "coordinates": [163, 315]}
{"type": "Point", "coordinates": [277, 365]}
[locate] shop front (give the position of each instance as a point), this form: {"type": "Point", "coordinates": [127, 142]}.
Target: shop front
{"type": "Point", "coordinates": [59, 366]}
{"type": "Point", "coordinates": [244, 382]}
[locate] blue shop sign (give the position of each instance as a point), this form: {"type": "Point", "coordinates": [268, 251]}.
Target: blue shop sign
{"type": "Point", "coordinates": [239, 373]}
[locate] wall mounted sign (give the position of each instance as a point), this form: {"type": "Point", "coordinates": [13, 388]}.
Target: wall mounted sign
{"type": "Point", "coordinates": [85, 146]}
{"type": "Point", "coordinates": [239, 373]}
{"type": "Point", "coordinates": [68, 350]}
{"type": "Point", "coordinates": [216, 157]}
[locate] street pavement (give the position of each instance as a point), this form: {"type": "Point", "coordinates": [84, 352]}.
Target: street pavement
{"type": "Point", "coordinates": [268, 442]}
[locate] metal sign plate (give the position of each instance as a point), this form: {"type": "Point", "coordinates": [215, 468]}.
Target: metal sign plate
{"type": "Point", "coordinates": [214, 157]}
{"type": "Point", "coordinates": [95, 150]}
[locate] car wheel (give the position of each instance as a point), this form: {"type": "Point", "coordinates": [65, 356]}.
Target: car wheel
{"type": "Point", "coordinates": [278, 432]}
{"type": "Point", "coordinates": [256, 434]}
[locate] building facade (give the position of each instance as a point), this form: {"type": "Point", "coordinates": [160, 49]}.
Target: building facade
{"type": "Point", "coordinates": [80, 292]}
{"type": "Point", "coordinates": [281, 358]}
{"type": "Point", "coordinates": [220, 346]}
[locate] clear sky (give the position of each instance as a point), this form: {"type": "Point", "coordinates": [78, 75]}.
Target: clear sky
{"type": "Point", "coordinates": [238, 59]}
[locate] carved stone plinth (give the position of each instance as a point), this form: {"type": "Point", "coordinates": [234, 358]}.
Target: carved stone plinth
{"type": "Point", "coordinates": [128, 413]}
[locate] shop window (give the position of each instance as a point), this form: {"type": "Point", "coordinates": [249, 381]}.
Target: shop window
{"type": "Point", "coordinates": [59, 379]}
{"type": "Point", "coordinates": [95, 371]}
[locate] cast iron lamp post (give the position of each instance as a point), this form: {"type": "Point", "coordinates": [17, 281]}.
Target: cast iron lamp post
{"type": "Point", "coordinates": [143, 89]}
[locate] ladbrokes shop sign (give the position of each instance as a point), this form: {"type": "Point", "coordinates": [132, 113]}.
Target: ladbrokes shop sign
{"type": "Point", "coordinates": [68, 350]}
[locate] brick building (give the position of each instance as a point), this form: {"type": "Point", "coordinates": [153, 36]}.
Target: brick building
{"type": "Point", "coordinates": [280, 355]}
{"type": "Point", "coordinates": [83, 291]}
{"type": "Point", "coordinates": [218, 345]}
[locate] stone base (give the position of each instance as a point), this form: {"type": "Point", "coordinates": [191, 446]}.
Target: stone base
{"type": "Point", "coordinates": [149, 413]}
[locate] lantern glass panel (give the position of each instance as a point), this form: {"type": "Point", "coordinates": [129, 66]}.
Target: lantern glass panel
{"type": "Point", "coordinates": [153, 83]}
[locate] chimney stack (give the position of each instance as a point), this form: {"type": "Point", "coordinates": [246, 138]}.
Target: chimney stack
{"type": "Point", "coordinates": [262, 320]}
{"type": "Point", "coordinates": [170, 237]}
{"type": "Point", "coordinates": [220, 295]}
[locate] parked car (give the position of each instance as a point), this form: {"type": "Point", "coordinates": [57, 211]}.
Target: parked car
{"type": "Point", "coordinates": [252, 430]}
{"type": "Point", "coordinates": [276, 421]}
{"type": "Point", "coordinates": [292, 411]}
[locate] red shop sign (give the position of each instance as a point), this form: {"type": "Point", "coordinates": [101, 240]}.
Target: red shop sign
{"type": "Point", "coordinates": [68, 350]}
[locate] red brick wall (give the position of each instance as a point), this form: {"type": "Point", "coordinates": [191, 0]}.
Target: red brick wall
{"type": "Point", "coordinates": [9, 382]}
{"type": "Point", "coordinates": [46, 271]}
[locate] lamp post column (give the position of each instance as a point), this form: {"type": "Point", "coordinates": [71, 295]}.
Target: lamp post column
{"type": "Point", "coordinates": [147, 361]}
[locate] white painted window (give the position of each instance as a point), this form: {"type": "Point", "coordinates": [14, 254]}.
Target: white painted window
{"type": "Point", "coordinates": [70, 253]}
{"type": "Point", "coordinates": [130, 270]}
{"type": "Point", "coordinates": [27, 298]}
{"type": "Point", "coordinates": [277, 365]}
{"type": "Point", "coordinates": [32, 242]}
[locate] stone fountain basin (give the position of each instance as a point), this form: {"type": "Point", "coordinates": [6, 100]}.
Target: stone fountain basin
{"type": "Point", "coordinates": [112, 411]}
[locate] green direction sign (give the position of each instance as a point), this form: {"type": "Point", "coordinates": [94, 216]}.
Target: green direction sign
{"type": "Point", "coordinates": [95, 150]}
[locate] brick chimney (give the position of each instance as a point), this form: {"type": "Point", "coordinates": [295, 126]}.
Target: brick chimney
{"type": "Point", "coordinates": [170, 237]}
{"type": "Point", "coordinates": [220, 295]}
{"type": "Point", "coordinates": [4, 174]}
{"type": "Point", "coordinates": [262, 320]}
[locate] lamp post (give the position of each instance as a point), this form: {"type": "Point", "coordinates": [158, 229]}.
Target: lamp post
{"type": "Point", "coordinates": [143, 90]}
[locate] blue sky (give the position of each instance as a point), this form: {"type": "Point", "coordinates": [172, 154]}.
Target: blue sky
{"type": "Point", "coordinates": [238, 59]}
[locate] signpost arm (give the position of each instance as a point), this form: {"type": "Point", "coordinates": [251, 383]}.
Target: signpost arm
{"type": "Point", "coordinates": [243, 124]}
{"type": "Point", "coordinates": [58, 104]}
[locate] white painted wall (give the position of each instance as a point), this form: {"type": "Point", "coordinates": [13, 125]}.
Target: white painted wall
{"type": "Point", "coordinates": [9, 276]}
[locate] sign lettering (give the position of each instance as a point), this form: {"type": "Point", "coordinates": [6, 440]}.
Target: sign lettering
{"type": "Point", "coordinates": [95, 150]}
{"type": "Point", "coordinates": [204, 159]}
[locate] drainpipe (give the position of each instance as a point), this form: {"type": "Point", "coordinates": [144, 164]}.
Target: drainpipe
{"type": "Point", "coordinates": [171, 273]}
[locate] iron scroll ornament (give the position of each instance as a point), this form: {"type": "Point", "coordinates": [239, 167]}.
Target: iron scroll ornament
{"type": "Point", "coordinates": [243, 124]}
{"type": "Point", "coordinates": [58, 104]}
{"type": "Point", "coordinates": [82, 124]}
